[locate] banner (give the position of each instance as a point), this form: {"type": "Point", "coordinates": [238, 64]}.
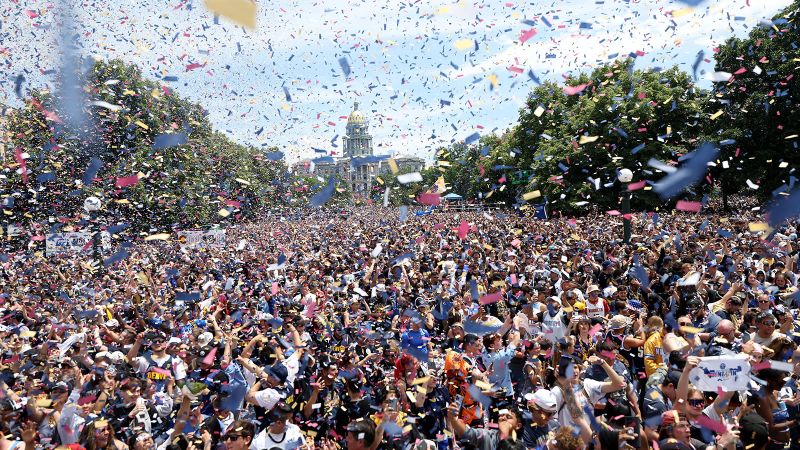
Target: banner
{"type": "Point", "coordinates": [74, 242]}
{"type": "Point", "coordinates": [731, 373]}
{"type": "Point", "coordinates": [202, 239]}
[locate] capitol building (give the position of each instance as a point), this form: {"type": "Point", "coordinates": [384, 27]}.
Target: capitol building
{"type": "Point", "coordinates": [358, 165]}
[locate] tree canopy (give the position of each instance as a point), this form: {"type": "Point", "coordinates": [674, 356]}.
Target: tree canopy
{"type": "Point", "coordinates": [152, 157]}
{"type": "Point", "coordinates": [570, 140]}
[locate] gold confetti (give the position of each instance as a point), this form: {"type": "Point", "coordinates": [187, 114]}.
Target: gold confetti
{"type": "Point", "coordinates": [157, 237]}
{"type": "Point", "coordinates": [463, 44]}
{"type": "Point", "coordinates": [681, 12]}
{"type": "Point", "coordinates": [242, 12]}
{"type": "Point", "coordinates": [531, 195]}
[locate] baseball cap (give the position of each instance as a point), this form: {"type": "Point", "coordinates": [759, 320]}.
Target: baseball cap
{"type": "Point", "coordinates": [543, 399]}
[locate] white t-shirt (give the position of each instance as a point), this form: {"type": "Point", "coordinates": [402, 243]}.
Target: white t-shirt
{"type": "Point", "coordinates": [591, 387]}
{"type": "Point", "coordinates": [267, 398]}
{"type": "Point", "coordinates": [292, 439]}
{"type": "Point", "coordinates": [768, 340]}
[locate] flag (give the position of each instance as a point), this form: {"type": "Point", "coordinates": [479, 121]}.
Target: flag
{"type": "Point", "coordinates": [540, 211]}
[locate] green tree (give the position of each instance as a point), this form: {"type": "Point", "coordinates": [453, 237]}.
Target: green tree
{"type": "Point", "coordinates": [574, 144]}
{"type": "Point", "coordinates": [756, 110]}
{"type": "Point", "coordinates": [203, 179]}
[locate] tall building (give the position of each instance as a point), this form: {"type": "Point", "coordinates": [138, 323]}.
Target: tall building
{"type": "Point", "coordinates": [358, 164]}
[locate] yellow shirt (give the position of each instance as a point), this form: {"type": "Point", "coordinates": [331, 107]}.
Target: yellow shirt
{"type": "Point", "coordinates": [653, 353]}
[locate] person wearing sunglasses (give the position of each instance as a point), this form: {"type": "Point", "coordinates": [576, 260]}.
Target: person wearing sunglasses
{"type": "Point", "coordinates": [239, 435]}
{"type": "Point", "coordinates": [763, 302]}
{"type": "Point", "coordinates": [766, 331]}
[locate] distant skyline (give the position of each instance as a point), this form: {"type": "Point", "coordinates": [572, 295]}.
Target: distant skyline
{"type": "Point", "coordinates": [425, 73]}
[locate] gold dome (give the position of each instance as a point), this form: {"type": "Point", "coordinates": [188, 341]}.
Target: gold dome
{"type": "Point", "coordinates": [356, 117]}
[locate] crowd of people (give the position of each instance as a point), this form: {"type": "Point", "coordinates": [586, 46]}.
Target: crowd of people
{"type": "Point", "coordinates": [429, 331]}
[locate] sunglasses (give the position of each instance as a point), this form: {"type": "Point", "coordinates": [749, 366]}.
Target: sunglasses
{"type": "Point", "coordinates": [535, 408]}
{"type": "Point", "coordinates": [684, 324]}
{"type": "Point", "coordinates": [768, 324]}
{"type": "Point", "coordinates": [763, 301]}
{"type": "Point", "coordinates": [696, 402]}
{"type": "Point", "coordinates": [231, 437]}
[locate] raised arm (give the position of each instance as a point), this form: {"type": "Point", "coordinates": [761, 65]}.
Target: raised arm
{"type": "Point", "coordinates": [683, 384]}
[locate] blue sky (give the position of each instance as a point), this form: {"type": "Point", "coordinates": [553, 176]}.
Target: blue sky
{"type": "Point", "coordinates": [417, 87]}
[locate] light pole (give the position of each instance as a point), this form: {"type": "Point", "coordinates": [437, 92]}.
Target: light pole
{"type": "Point", "coordinates": [92, 205]}
{"type": "Point", "coordinates": [625, 176]}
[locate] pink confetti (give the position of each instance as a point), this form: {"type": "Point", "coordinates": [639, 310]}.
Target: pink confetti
{"type": "Point", "coordinates": [740, 71]}
{"type": "Point", "coordinates": [194, 66]}
{"type": "Point", "coordinates": [491, 298]}
{"type": "Point", "coordinates": [761, 365]}
{"type": "Point", "coordinates": [595, 329]}
{"type": "Point", "coordinates": [572, 90]}
{"type": "Point", "coordinates": [684, 205]}
{"type": "Point", "coordinates": [713, 425]}
{"type": "Point", "coordinates": [608, 354]}
{"type": "Point", "coordinates": [613, 212]}
{"type": "Point", "coordinates": [127, 181]}
{"type": "Point", "coordinates": [209, 359]}
{"type": "Point", "coordinates": [636, 186]}
{"type": "Point", "coordinates": [463, 229]}
{"type": "Point", "coordinates": [429, 198]}
{"type": "Point", "coordinates": [274, 289]}
{"type": "Point", "coordinates": [31, 14]}
{"type": "Point", "coordinates": [527, 34]}
{"type": "Point", "coordinates": [513, 279]}
{"type": "Point", "coordinates": [22, 165]}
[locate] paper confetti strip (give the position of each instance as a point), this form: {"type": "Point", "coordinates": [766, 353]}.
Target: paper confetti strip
{"type": "Point", "coordinates": [242, 12]}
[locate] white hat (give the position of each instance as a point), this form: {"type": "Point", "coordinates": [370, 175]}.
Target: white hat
{"type": "Point", "coordinates": [544, 399]}
{"type": "Point", "coordinates": [174, 340]}
{"type": "Point", "coordinates": [204, 339]}
{"type": "Point", "coordinates": [112, 323]}
{"type": "Point", "coordinates": [117, 357]}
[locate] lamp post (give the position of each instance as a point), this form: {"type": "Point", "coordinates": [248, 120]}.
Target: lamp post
{"type": "Point", "coordinates": [625, 176]}
{"type": "Point", "coordinates": [92, 205]}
